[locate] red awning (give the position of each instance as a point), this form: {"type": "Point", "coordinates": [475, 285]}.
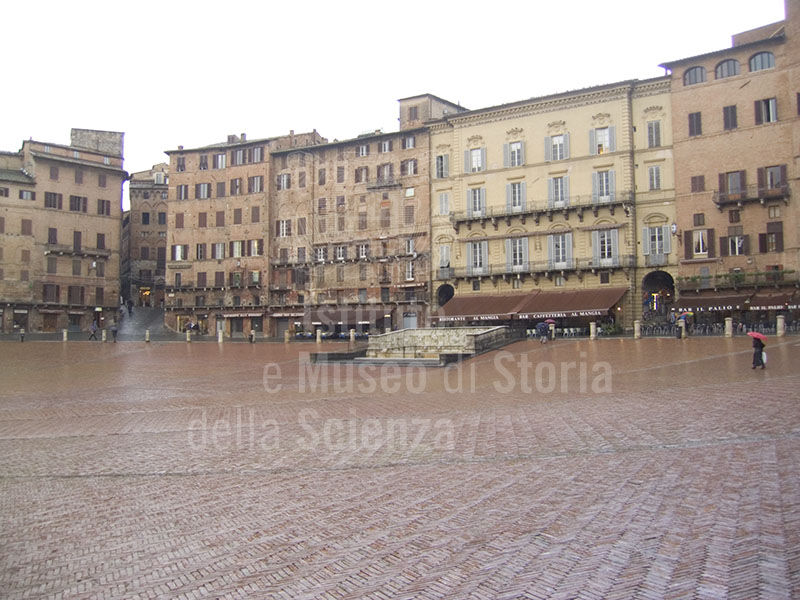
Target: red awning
{"type": "Point", "coordinates": [481, 308]}
{"type": "Point", "coordinates": [578, 303]}
{"type": "Point", "coordinates": [764, 301]}
{"type": "Point", "coordinates": [711, 303]}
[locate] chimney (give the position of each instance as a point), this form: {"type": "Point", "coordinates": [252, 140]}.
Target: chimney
{"type": "Point", "coordinates": [244, 136]}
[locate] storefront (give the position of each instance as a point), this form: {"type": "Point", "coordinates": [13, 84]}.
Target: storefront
{"type": "Point", "coordinates": [712, 309]}
{"type": "Point", "coordinates": [480, 310]}
{"type": "Point", "coordinates": [763, 308]}
{"type": "Point", "coordinates": [240, 323]}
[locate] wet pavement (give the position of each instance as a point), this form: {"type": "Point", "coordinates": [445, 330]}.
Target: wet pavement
{"type": "Point", "coordinates": [617, 468]}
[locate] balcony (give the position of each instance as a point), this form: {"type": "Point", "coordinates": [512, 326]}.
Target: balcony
{"type": "Point", "coordinates": [536, 210]}
{"type": "Point", "coordinates": [751, 193]}
{"type": "Point", "coordinates": [746, 279]}
{"type": "Point", "coordinates": [655, 260]}
{"type": "Point", "coordinates": [80, 251]}
{"type": "Point", "coordinates": [543, 267]}
{"type": "Point", "coordinates": [383, 182]}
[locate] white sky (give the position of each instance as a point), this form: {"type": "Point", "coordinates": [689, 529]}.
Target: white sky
{"type": "Point", "coordinates": [176, 72]}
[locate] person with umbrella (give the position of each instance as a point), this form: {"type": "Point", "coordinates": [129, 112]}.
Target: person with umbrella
{"type": "Point", "coordinates": [542, 330]}
{"type": "Point", "coordinates": [758, 348]}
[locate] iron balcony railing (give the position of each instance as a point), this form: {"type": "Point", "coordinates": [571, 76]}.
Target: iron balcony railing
{"type": "Point", "coordinates": [543, 207]}
{"type": "Point", "coordinates": [751, 193]}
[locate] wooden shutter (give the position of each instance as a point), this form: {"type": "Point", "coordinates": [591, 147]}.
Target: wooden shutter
{"type": "Point", "coordinates": [723, 246]}
{"type": "Point", "coordinates": [762, 243]}
{"type": "Point", "coordinates": [522, 153]}
{"type": "Point", "coordinates": [506, 156]}
{"type": "Point", "coordinates": [615, 245]}
{"type": "Point", "coordinates": [484, 166]}
{"type": "Point", "coordinates": [667, 239]}
{"type": "Point", "coordinates": [592, 142]}
{"type": "Point", "coordinates": [612, 139]}
{"type": "Point", "coordinates": [645, 241]}
{"type": "Point", "coordinates": [508, 197]}
{"type": "Point", "coordinates": [482, 194]}
{"type": "Point", "coordinates": [595, 185]}
{"type": "Point", "coordinates": [566, 145]}
{"type": "Point", "coordinates": [551, 193]}
{"type": "Point", "coordinates": [784, 181]}
{"type": "Point", "coordinates": [568, 245]}
{"type": "Point", "coordinates": [85, 204]}
{"type": "Point", "coordinates": [712, 251]}
{"type": "Point", "coordinates": [548, 148]}
{"type": "Point", "coordinates": [523, 191]}
{"type": "Point", "coordinates": [688, 251]}
{"type": "Point", "coordinates": [566, 190]}
{"type": "Point", "coordinates": [446, 162]}
{"type": "Point", "coordinates": [612, 184]}
{"type": "Point", "coordinates": [466, 161]}
{"type": "Point", "coordinates": [485, 254]}
{"type": "Point", "coordinates": [762, 179]}
{"type": "Point", "coordinates": [508, 255]}
{"type": "Point", "coordinates": [758, 112]}
{"type": "Point", "coordinates": [551, 248]}
{"type": "Point", "coordinates": [595, 248]}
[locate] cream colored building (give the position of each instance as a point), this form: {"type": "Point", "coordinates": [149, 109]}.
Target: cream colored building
{"type": "Point", "coordinates": [553, 195]}
{"type": "Point", "coordinates": [60, 217]}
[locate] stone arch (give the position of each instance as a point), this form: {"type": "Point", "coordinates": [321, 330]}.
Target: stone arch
{"type": "Point", "coordinates": [658, 294]}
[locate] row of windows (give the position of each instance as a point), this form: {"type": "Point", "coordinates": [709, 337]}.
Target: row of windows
{"type": "Point", "coordinates": [764, 111]}
{"type": "Point", "coordinates": [77, 239]}
{"type": "Point", "coordinates": [218, 218]}
{"type": "Point", "coordinates": [559, 254]}
{"type": "Point", "coordinates": [735, 182]}
{"type": "Point", "coordinates": [76, 294]}
{"type": "Point", "coordinates": [161, 218]}
{"type": "Point", "coordinates": [362, 251]}
{"type": "Point", "coordinates": [243, 156]}
{"type": "Point", "coordinates": [202, 191]}
{"type": "Point", "coordinates": [93, 268]}
{"type": "Point", "coordinates": [235, 279]}
{"type": "Point", "coordinates": [384, 173]}
{"type": "Point", "coordinates": [729, 67]}
{"type": "Point", "coordinates": [700, 243]}
{"type": "Point", "coordinates": [76, 203]}
{"type": "Point", "coordinates": [78, 176]}
{"type": "Point", "coordinates": [219, 250]}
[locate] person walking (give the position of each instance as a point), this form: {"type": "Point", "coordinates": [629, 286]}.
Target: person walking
{"type": "Point", "coordinates": [543, 331]}
{"type": "Point", "coordinates": [114, 332]}
{"type": "Point", "coordinates": [93, 331]}
{"type": "Point", "coordinates": [758, 353]}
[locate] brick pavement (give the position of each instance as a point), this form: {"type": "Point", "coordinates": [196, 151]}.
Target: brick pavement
{"type": "Point", "coordinates": [169, 471]}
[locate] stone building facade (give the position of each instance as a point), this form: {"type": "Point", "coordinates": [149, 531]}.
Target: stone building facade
{"type": "Point", "coordinates": [218, 225]}
{"type": "Point", "coordinates": [545, 204]}
{"type": "Point", "coordinates": [736, 130]}
{"type": "Point", "coordinates": [60, 217]}
{"type": "Point", "coordinates": [145, 259]}
{"type": "Point", "coordinates": [350, 234]}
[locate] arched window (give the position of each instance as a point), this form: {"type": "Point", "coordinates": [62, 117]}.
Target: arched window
{"type": "Point", "coordinates": [727, 68]}
{"type": "Point", "coordinates": [694, 75]}
{"type": "Point", "coordinates": [761, 61]}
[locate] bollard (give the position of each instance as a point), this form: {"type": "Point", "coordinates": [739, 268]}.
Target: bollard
{"type": "Point", "coordinates": [21, 335]}
{"type": "Point", "coordinates": [219, 336]}
{"type": "Point", "coordinates": [682, 325]}
{"type": "Point", "coordinates": [64, 336]}
{"type": "Point", "coordinates": [103, 335]}
{"type": "Point", "coordinates": [286, 337]}
{"type": "Point", "coordinates": [252, 336]}
{"type": "Point", "coordinates": [319, 336]}
{"type": "Point", "coordinates": [352, 335]}
{"type": "Point", "coordinates": [780, 326]}
{"type": "Point", "coordinates": [552, 334]}
{"type": "Point", "coordinates": [728, 326]}
{"type": "Point", "coordinates": [637, 329]}
{"type": "Point", "coordinates": [593, 330]}
{"type": "Point", "coordinates": [147, 335]}
{"type": "Point", "coordinates": [388, 330]}
{"type": "Point", "coordinates": [188, 336]}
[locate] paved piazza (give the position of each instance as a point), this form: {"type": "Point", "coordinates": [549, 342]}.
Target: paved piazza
{"type": "Point", "coordinates": [656, 468]}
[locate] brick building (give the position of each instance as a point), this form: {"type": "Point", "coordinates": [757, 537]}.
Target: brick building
{"type": "Point", "coordinates": [145, 229]}
{"type": "Point", "coordinates": [60, 215]}
{"type": "Point", "coordinates": [350, 233]}
{"type": "Point", "coordinates": [735, 129]}
{"type": "Point", "coordinates": [546, 208]}
{"type": "Point", "coordinates": [218, 225]}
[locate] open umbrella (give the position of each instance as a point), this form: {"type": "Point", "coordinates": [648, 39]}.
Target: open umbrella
{"type": "Point", "coordinates": [755, 334]}
{"type": "Point", "coordinates": [549, 321]}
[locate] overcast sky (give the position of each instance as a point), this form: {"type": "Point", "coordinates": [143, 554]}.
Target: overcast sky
{"type": "Point", "coordinates": [174, 72]}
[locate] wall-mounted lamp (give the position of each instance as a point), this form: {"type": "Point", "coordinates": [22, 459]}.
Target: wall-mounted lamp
{"type": "Point", "coordinates": [674, 229]}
